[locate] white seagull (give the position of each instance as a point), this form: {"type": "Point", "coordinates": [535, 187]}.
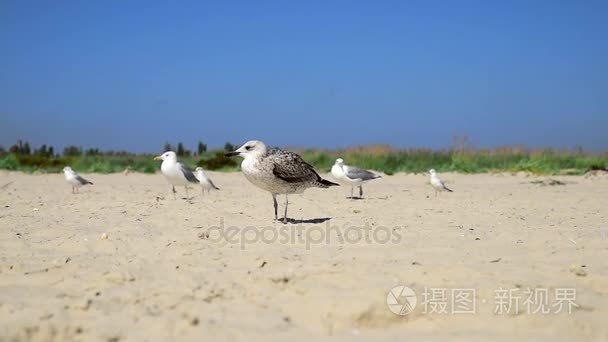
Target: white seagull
{"type": "Point", "coordinates": [206, 182]}
{"type": "Point", "coordinates": [74, 179]}
{"type": "Point", "coordinates": [176, 173]}
{"type": "Point", "coordinates": [350, 175]}
{"type": "Point", "coordinates": [277, 171]}
{"type": "Point", "coordinates": [437, 183]}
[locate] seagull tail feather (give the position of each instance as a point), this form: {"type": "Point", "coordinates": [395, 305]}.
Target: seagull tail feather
{"type": "Point", "coordinates": [324, 183]}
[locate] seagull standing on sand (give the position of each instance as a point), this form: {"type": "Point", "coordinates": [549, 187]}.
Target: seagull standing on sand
{"type": "Point", "coordinates": [350, 175]}
{"type": "Point", "coordinates": [205, 181]}
{"type": "Point", "coordinates": [437, 183]}
{"type": "Point", "coordinates": [176, 173]}
{"type": "Point", "coordinates": [277, 171]}
{"type": "Point", "coordinates": [74, 179]}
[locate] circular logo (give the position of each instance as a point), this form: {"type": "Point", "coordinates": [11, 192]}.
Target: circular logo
{"type": "Point", "coordinates": [401, 300]}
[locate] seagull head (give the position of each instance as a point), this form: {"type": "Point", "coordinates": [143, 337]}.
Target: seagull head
{"type": "Point", "coordinates": [67, 169]}
{"type": "Point", "coordinates": [432, 171]}
{"type": "Point", "coordinates": [339, 161]}
{"type": "Point", "coordinates": [251, 148]}
{"type": "Point", "coordinates": [169, 155]}
{"type": "Point", "coordinates": [198, 169]}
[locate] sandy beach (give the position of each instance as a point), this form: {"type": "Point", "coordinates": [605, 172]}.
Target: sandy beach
{"type": "Point", "coordinates": [123, 261]}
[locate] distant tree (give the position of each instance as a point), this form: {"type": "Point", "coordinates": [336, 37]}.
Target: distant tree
{"type": "Point", "coordinates": [92, 152]}
{"type": "Point", "coordinates": [26, 149]}
{"type": "Point", "coordinates": [202, 148]}
{"type": "Point", "coordinates": [51, 151]}
{"type": "Point", "coordinates": [72, 151]}
{"type": "Point", "coordinates": [2, 150]}
{"type": "Point", "coordinates": [20, 148]}
{"type": "Point", "coordinates": [228, 147]}
{"type": "Point", "coordinates": [167, 147]}
{"type": "Point", "coordinates": [124, 153]}
{"type": "Point", "coordinates": [180, 149]}
{"type": "Point", "coordinates": [42, 151]}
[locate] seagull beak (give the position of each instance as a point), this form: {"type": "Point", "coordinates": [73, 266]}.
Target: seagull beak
{"type": "Point", "coordinates": [157, 158]}
{"type": "Point", "coordinates": [232, 154]}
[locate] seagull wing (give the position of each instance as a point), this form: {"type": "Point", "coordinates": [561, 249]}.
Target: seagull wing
{"type": "Point", "coordinates": [211, 183]}
{"type": "Point", "coordinates": [357, 173]}
{"type": "Point", "coordinates": [82, 180]}
{"type": "Point", "coordinates": [203, 178]}
{"type": "Point", "coordinates": [445, 187]}
{"type": "Point", "coordinates": [291, 168]}
{"type": "Point", "coordinates": [438, 183]}
{"type": "Point", "coordinates": [188, 173]}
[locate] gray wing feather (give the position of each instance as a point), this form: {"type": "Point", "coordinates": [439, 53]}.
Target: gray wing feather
{"type": "Point", "coordinates": [82, 180]}
{"type": "Point", "coordinates": [445, 187]}
{"type": "Point", "coordinates": [188, 173]}
{"type": "Point", "coordinates": [213, 185]}
{"type": "Point", "coordinates": [357, 173]}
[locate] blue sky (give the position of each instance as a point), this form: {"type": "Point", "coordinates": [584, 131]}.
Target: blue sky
{"type": "Point", "coordinates": [131, 75]}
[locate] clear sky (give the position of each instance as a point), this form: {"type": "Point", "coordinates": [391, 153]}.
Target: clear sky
{"type": "Point", "coordinates": [131, 75]}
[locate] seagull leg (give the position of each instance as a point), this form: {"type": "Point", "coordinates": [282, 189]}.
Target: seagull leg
{"type": "Point", "coordinates": [173, 188]}
{"type": "Point", "coordinates": [351, 192]}
{"type": "Point", "coordinates": [187, 197]}
{"type": "Point", "coordinates": [361, 191]}
{"type": "Point", "coordinates": [286, 203]}
{"type": "Point", "coordinates": [276, 206]}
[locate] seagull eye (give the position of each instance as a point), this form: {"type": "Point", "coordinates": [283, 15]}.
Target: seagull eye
{"type": "Point", "coordinates": [248, 148]}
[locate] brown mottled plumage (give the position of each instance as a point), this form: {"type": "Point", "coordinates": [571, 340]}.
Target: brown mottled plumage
{"type": "Point", "coordinates": [277, 171]}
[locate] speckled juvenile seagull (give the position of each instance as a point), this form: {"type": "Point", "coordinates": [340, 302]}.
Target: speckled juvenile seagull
{"type": "Point", "coordinates": [277, 171]}
{"type": "Point", "coordinates": [74, 179]}
{"type": "Point", "coordinates": [175, 172]}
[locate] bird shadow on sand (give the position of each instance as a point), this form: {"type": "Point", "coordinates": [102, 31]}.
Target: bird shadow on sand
{"type": "Point", "coordinates": [354, 198]}
{"type": "Point", "coordinates": [311, 221]}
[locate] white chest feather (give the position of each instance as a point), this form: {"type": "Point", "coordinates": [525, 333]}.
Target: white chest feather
{"type": "Point", "coordinates": [172, 172]}
{"type": "Point", "coordinates": [71, 178]}
{"type": "Point", "coordinates": [338, 174]}
{"type": "Point", "coordinates": [436, 182]}
{"type": "Point", "coordinates": [260, 173]}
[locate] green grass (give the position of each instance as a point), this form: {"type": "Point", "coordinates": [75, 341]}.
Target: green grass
{"type": "Point", "coordinates": [379, 158]}
{"type": "Point", "coordinates": [421, 160]}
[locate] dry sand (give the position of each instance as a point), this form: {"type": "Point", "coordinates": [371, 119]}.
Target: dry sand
{"type": "Point", "coordinates": [161, 274]}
